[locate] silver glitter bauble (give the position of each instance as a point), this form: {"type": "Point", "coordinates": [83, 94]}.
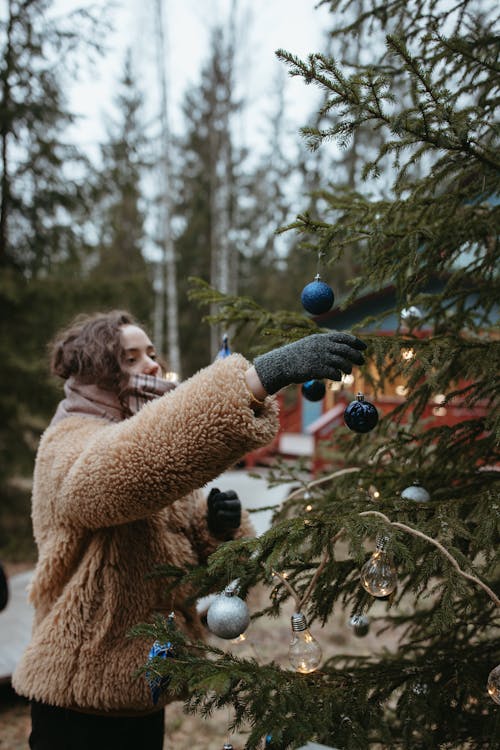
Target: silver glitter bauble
{"type": "Point", "coordinates": [493, 684]}
{"type": "Point", "coordinates": [228, 615]}
{"type": "Point", "coordinates": [416, 492]}
{"type": "Point", "coordinates": [360, 625]}
{"type": "Point", "coordinates": [227, 746]}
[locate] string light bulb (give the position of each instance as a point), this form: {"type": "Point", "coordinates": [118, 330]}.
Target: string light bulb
{"type": "Point", "coordinates": [493, 684]}
{"type": "Point", "coordinates": [305, 652]}
{"type": "Point", "coordinates": [407, 354]}
{"type": "Point", "coordinates": [378, 574]}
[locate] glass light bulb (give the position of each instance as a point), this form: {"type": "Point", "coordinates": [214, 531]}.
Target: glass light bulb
{"type": "Point", "coordinates": [378, 574]}
{"type": "Point", "coordinates": [493, 684]}
{"type": "Point", "coordinates": [304, 652]}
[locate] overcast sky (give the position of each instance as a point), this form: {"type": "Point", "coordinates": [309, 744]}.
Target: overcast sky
{"type": "Point", "coordinates": [263, 26]}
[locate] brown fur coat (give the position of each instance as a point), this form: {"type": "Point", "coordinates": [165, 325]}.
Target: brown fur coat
{"type": "Point", "coordinates": [110, 502]}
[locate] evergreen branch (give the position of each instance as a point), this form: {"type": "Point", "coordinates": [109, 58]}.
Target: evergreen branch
{"type": "Point", "coordinates": [443, 550]}
{"type": "Point", "coordinates": [467, 51]}
{"type": "Point", "coordinates": [278, 327]}
{"type": "Point", "coordinates": [289, 588]}
{"type": "Point", "coordinates": [301, 601]}
{"type": "Point", "coordinates": [319, 570]}
{"type": "Point", "coordinates": [322, 480]}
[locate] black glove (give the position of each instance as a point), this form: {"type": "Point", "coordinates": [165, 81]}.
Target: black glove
{"type": "Point", "coordinates": [224, 512]}
{"type": "Point", "coordinates": [318, 356]}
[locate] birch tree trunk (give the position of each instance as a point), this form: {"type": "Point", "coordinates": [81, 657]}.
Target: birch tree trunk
{"type": "Point", "coordinates": [224, 259]}
{"type": "Point", "coordinates": [167, 306]}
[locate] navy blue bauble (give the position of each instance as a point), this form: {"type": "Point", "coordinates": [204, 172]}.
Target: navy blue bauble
{"type": "Point", "coordinates": [360, 415]}
{"type": "Point", "coordinates": [360, 625]}
{"type": "Point", "coordinates": [313, 390]}
{"type": "Point", "coordinates": [317, 297]}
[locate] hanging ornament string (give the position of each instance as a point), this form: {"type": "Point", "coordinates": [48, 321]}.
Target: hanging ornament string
{"type": "Point", "coordinates": [443, 550]}
{"type": "Point", "coordinates": [319, 262]}
{"type": "Point", "coordinates": [301, 601]}
{"type": "Point", "coordinates": [410, 530]}
{"type": "Point", "coordinates": [318, 482]}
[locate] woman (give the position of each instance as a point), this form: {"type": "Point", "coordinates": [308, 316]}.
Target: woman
{"type": "Point", "coordinates": [116, 492]}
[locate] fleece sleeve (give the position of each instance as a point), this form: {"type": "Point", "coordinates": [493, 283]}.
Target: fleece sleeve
{"type": "Point", "coordinates": [107, 474]}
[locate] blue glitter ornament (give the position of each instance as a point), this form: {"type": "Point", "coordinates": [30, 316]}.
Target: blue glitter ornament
{"type": "Point", "coordinates": [360, 415]}
{"type": "Point", "coordinates": [157, 683]}
{"type": "Point", "coordinates": [269, 740]}
{"type": "Point", "coordinates": [313, 390]}
{"type": "Point", "coordinates": [317, 297]}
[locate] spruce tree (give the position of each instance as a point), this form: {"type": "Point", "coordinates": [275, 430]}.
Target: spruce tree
{"type": "Point", "coordinates": [44, 221]}
{"type": "Point", "coordinates": [121, 274]}
{"type": "Point", "coordinates": [425, 685]}
{"type": "Point", "coordinates": [43, 197]}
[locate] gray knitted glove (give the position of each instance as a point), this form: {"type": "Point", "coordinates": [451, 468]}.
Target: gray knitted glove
{"type": "Point", "coordinates": [321, 355]}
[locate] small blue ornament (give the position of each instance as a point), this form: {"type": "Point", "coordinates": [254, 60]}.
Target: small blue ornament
{"type": "Point", "coordinates": [360, 415]}
{"type": "Point", "coordinates": [269, 740]}
{"type": "Point", "coordinates": [224, 351]}
{"type": "Point", "coordinates": [360, 625]}
{"type": "Point", "coordinates": [317, 297]}
{"type": "Point", "coordinates": [158, 683]}
{"type": "Point", "coordinates": [313, 390]}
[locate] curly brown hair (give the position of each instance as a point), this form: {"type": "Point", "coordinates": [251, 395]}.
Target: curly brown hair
{"type": "Point", "coordinates": [90, 349]}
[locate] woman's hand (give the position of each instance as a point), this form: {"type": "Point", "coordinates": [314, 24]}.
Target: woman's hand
{"type": "Point", "coordinates": [223, 512]}
{"type": "Point", "coordinates": [318, 356]}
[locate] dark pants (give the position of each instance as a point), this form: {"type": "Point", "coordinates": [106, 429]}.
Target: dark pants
{"type": "Point", "coordinates": [54, 728]}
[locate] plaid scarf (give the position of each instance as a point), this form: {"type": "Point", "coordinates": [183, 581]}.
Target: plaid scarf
{"type": "Point", "coordinates": [90, 400]}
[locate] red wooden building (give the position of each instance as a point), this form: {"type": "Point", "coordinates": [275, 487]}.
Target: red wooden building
{"type": "Point", "coordinates": [307, 427]}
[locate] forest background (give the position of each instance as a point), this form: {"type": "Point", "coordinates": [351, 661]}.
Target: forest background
{"type": "Point", "coordinates": [128, 221]}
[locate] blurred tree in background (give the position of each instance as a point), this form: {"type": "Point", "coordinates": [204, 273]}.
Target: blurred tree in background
{"type": "Point", "coordinates": [56, 219]}
{"type": "Point", "coordinates": [43, 216]}
{"type": "Point", "coordinates": [119, 271]}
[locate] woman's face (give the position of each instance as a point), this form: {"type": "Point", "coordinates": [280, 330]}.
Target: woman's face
{"type": "Point", "coordinates": [139, 355]}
